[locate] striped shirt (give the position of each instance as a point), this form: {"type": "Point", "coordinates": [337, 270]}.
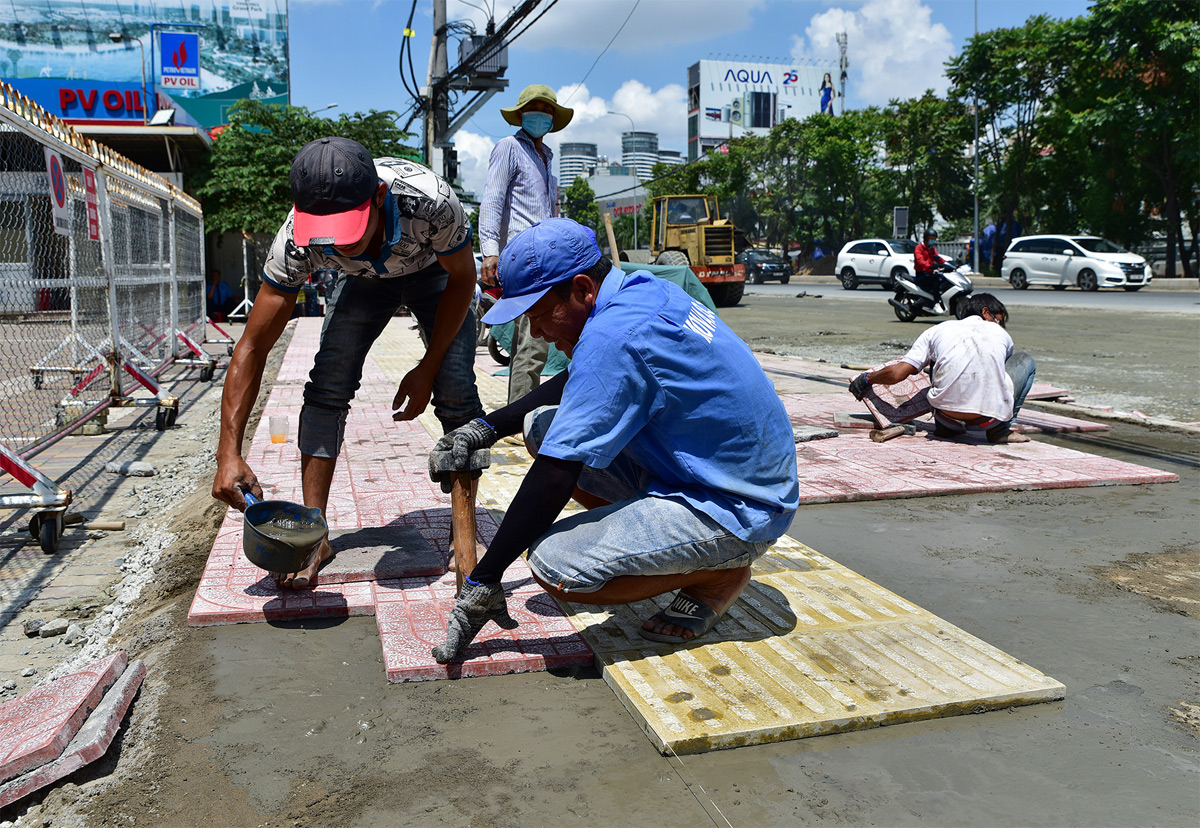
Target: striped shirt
{"type": "Point", "coordinates": [520, 191]}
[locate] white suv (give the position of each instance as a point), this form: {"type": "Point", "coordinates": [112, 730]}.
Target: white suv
{"type": "Point", "coordinates": [1088, 261]}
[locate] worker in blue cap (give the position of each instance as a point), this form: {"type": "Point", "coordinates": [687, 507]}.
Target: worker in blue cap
{"type": "Point", "coordinates": [665, 427]}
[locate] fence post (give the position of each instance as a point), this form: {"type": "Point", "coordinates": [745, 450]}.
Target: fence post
{"type": "Point", "coordinates": [107, 256]}
{"type": "Point", "coordinates": [174, 329]}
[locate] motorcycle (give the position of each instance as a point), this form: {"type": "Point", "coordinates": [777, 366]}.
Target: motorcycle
{"type": "Point", "coordinates": [910, 301]}
{"type": "Point", "coordinates": [485, 298]}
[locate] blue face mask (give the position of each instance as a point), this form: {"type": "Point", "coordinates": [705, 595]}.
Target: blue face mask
{"type": "Point", "coordinates": [536, 124]}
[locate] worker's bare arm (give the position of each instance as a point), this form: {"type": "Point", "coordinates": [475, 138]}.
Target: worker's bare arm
{"type": "Point", "coordinates": [271, 311]}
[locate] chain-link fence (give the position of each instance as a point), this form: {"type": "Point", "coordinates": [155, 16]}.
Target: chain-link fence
{"type": "Point", "coordinates": [101, 271]}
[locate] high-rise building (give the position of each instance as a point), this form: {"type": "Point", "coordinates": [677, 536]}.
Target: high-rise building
{"type": "Point", "coordinates": [640, 151]}
{"type": "Point", "coordinates": [574, 160]}
{"type": "Point", "coordinates": [672, 158]}
{"type": "Point", "coordinates": [729, 99]}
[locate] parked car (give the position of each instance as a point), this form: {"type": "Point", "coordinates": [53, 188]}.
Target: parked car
{"type": "Point", "coordinates": [762, 265]}
{"type": "Point", "coordinates": [875, 262]}
{"type": "Point", "coordinates": [1060, 261]}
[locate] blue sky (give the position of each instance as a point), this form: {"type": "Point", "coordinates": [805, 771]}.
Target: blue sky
{"type": "Point", "coordinates": [346, 52]}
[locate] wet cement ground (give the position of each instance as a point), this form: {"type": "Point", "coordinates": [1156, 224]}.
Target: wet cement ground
{"type": "Point", "coordinates": [295, 724]}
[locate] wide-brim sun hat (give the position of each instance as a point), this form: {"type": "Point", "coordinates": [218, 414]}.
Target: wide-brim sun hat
{"type": "Point", "coordinates": [539, 92]}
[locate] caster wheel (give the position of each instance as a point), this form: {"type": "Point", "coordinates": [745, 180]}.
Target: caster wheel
{"type": "Point", "coordinates": [48, 536]}
{"type": "Point", "coordinates": [206, 373]}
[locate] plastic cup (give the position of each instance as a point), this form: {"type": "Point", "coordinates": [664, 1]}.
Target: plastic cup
{"type": "Point", "coordinates": [279, 428]}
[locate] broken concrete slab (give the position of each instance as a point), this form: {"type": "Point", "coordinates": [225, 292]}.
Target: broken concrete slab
{"type": "Point", "coordinates": [805, 433]}
{"type": "Point", "coordinates": [851, 419]}
{"type": "Point", "coordinates": [134, 468]}
{"type": "Point", "coordinates": [36, 726]}
{"type": "Point", "coordinates": [89, 744]}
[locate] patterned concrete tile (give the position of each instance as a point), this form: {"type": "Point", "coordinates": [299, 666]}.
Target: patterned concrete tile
{"type": "Point", "coordinates": [412, 614]}
{"type": "Point", "coordinates": [37, 726]}
{"type": "Point", "coordinates": [809, 648]}
{"type": "Point", "coordinates": [89, 744]}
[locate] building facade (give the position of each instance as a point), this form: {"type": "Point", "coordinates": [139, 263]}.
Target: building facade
{"type": "Point", "coordinates": [575, 159]}
{"type": "Point", "coordinates": [730, 99]}
{"type": "Point", "coordinates": [639, 150]}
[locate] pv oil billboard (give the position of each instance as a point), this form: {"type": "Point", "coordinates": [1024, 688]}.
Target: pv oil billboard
{"type": "Point", "coordinates": [118, 61]}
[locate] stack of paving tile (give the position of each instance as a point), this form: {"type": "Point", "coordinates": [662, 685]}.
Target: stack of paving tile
{"type": "Point", "coordinates": [56, 729]}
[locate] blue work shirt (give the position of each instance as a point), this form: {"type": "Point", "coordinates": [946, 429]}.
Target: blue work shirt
{"type": "Point", "coordinates": [659, 376]}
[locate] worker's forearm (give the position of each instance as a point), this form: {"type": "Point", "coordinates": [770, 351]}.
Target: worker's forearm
{"type": "Point", "coordinates": [243, 379]}
{"type": "Point", "coordinates": [451, 311]}
{"type": "Point", "coordinates": [543, 494]}
{"type": "Point", "coordinates": [891, 374]}
{"type": "Point", "coordinates": [510, 419]}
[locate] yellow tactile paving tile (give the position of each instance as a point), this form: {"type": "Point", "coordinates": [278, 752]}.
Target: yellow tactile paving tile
{"type": "Point", "coordinates": [809, 648]}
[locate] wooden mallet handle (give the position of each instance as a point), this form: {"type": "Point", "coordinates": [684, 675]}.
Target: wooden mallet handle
{"type": "Point", "coordinates": [462, 511]}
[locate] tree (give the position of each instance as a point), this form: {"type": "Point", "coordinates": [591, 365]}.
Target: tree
{"type": "Point", "coordinates": [925, 140]}
{"type": "Point", "coordinates": [580, 205]}
{"type": "Point", "coordinates": [1133, 108]}
{"type": "Point", "coordinates": [1013, 73]}
{"type": "Point", "coordinates": [246, 185]}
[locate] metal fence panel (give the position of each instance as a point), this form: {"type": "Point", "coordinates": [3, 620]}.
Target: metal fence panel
{"type": "Point", "coordinates": [69, 317]}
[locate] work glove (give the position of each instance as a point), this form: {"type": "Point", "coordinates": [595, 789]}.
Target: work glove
{"type": "Point", "coordinates": [476, 605]}
{"type": "Point", "coordinates": [473, 436]}
{"type": "Point", "coordinates": [859, 386]}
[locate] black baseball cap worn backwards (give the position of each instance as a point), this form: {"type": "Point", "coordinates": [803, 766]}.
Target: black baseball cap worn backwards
{"type": "Point", "coordinates": [333, 180]}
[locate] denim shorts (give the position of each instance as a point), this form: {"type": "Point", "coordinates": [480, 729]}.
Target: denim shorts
{"type": "Point", "coordinates": [358, 310]}
{"type": "Point", "coordinates": [637, 534]}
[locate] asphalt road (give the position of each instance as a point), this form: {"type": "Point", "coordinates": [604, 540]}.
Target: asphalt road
{"type": "Point", "coordinates": [1131, 351]}
{"type": "Point", "coordinates": [1146, 301]}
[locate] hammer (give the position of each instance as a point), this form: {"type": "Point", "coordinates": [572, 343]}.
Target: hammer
{"type": "Point", "coordinates": [461, 481]}
{"type": "Point", "coordinates": [882, 435]}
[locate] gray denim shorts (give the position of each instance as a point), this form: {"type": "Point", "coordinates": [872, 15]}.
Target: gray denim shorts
{"type": "Point", "coordinates": [636, 534]}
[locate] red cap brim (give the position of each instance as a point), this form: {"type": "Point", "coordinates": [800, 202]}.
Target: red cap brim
{"type": "Point", "coordinates": [334, 230]}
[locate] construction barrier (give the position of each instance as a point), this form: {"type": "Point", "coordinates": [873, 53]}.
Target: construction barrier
{"type": "Point", "coordinates": [101, 288]}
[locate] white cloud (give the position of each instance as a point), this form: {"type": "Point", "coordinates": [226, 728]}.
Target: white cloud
{"type": "Point", "coordinates": [473, 153]}
{"type": "Point", "coordinates": [895, 49]}
{"type": "Point", "coordinates": [663, 111]}
{"type": "Point", "coordinates": [589, 24]}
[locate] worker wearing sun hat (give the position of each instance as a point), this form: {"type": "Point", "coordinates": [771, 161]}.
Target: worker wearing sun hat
{"type": "Point", "coordinates": [520, 192]}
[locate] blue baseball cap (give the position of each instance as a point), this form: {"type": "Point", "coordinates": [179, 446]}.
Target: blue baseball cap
{"type": "Point", "coordinates": [537, 259]}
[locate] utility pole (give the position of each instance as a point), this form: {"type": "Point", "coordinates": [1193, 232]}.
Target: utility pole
{"type": "Point", "coordinates": [483, 60]}
{"type": "Point", "coordinates": [437, 115]}
{"type": "Point", "coordinates": [843, 65]}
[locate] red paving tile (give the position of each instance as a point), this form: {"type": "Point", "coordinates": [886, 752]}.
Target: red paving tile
{"type": "Point", "coordinates": [412, 615]}
{"type": "Point", "coordinates": [36, 727]}
{"type": "Point", "coordinates": [89, 744]}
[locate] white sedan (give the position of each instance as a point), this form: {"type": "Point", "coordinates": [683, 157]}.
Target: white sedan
{"type": "Point", "coordinates": [875, 262]}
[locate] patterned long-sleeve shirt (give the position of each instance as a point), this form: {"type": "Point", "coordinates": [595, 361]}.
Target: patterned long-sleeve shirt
{"type": "Point", "coordinates": [520, 191]}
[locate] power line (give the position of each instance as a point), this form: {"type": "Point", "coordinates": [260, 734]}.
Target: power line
{"type": "Point", "coordinates": [606, 48]}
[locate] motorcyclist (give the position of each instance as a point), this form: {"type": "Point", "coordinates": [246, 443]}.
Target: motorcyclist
{"type": "Point", "coordinates": [928, 264]}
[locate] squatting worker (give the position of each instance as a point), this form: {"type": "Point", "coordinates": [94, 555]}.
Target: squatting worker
{"type": "Point", "coordinates": [520, 191]}
{"type": "Point", "coordinates": [979, 380]}
{"type": "Point", "coordinates": [397, 235]}
{"type": "Point", "coordinates": [664, 425]}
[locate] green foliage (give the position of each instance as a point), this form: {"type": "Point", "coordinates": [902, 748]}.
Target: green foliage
{"type": "Point", "coordinates": [926, 140]}
{"type": "Point", "coordinates": [246, 185]}
{"type": "Point", "coordinates": [580, 205]}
